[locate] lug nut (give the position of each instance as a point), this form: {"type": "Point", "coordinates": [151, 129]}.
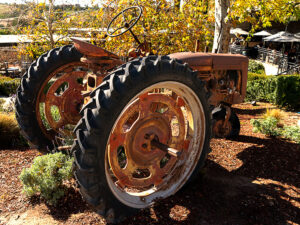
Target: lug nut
{"type": "Point", "coordinates": [144, 145]}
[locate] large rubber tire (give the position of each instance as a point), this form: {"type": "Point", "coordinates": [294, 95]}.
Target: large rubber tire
{"type": "Point", "coordinates": [99, 115]}
{"type": "Point", "coordinates": [236, 126]}
{"type": "Point", "coordinates": [29, 88]}
{"type": "Point", "coordinates": [220, 113]}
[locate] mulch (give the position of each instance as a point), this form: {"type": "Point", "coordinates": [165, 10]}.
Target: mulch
{"type": "Point", "coordinates": [252, 179]}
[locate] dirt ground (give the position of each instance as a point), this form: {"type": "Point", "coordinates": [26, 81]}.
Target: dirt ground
{"type": "Point", "coordinates": [252, 179]}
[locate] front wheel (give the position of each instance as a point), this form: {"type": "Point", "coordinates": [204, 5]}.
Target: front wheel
{"type": "Point", "coordinates": [143, 135]}
{"type": "Point", "coordinates": [231, 129]}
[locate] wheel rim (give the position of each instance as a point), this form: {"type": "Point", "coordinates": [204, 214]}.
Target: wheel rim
{"type": "Point", "coordinates": [59, 100]}
{"type": "Point", "coordinates": [169, 113]}
{"type": "Point", "coordinates": [222, 129]}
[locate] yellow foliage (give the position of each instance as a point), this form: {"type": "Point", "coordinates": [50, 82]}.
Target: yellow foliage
{"type": "Point", "coordinates": [168, 28]}
{"type": "Point", "coordinates": [9, 130]}
{"type": "Point", "coordinates": [261, 13]}
{"type": "Point", "coordinates": [276, 113]}
{"type": "Point", "coordinates": [165, 26]}
{"type": "Point", "coordinates": [8, 124]}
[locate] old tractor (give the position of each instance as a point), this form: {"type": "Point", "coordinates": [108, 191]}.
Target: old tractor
{"type": "Point", "coordinates": [139, 127]}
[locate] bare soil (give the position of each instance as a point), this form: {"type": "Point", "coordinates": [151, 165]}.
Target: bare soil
{"type": "Point", "coordinates": [252, 179]}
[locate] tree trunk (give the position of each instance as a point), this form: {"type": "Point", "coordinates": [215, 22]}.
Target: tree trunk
{"type": "Point", "coordinates": [222, 27]}
{"type": "Point", "coordinates": [49, 21]}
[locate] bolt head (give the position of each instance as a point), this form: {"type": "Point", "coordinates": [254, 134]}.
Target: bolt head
{"type": "Point", "coordinates": [144, 145]}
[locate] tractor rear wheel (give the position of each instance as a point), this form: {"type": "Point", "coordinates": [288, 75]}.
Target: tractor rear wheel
{"type": "Point", "coordinates": [144, 134]}
{"type": "Point", "coordinates": [49, 97]}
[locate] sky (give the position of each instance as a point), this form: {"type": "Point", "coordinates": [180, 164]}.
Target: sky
{"type": "Point", "coordinates": [81, 2]}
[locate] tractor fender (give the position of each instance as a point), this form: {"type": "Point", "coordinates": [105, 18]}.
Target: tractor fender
{"type": "Point", "coordinates": [94, 51]}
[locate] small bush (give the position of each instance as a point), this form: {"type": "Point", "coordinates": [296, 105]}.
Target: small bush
{"type": "Point", "coordinates": [267, 126]}
{"type": "Point", "coordinates": [10, 132]}
{"type": "Point", "coordinates": [292, 133]}
{"type": "Point", "coordinates": [276, 113]}
{"type": "Point", "coordinates": [46, 176]}
{"type": "Point", "coordinates": [256, 67]}
{"type": "Point", "coordinates": [8, 86]}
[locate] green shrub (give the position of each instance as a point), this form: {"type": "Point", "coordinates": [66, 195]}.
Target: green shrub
{"type": "Point", "coordinates": [292, 133]}
{"type": "Point", "coordinates": [256, 76]}
{"type": "Point", "coordinates": [261, 89]}
{"type": "Point", "coordinates": [6, 32]}
{"type": "Point", "coordinates": [267, 126]}
{"type": "Point", "coordinates": [8, 86]}
{"type": "Point", "coordinates": [5, 78]}
{"type": "Point", "coordinates": [256, 67]}
{"type": "Point", "coordinates": [46, 176]}
{"type": "Point", "coordinates": [283, 90]}
{"type": "Point", "coordinates": [288, 91]}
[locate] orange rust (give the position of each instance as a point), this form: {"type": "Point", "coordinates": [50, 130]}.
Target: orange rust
{"type": "Point", "coordinates": [67, 103]}
{"type": "Point", "coordinates": [92, 50]}
{"type": "Point", "coordinates": [140, 153]}
{"type": "Point", "coordinates": [210, 67]}
{"type": "Point", "coordinates": [222, 129]}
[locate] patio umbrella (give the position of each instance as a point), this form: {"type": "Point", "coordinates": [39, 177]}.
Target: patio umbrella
{"type": "Point", "coordinates": [238, 31]}
{"type": "Point", "coordinates": [282, 36]}
{"type": "Point", "coordinates": [263, 33]}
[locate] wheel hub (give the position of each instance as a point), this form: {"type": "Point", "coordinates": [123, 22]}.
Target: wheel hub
{"type": "Point", "coordinates": [62, 100]}
{"type": "Point", "coordinates": [70, 107]}
{"type": "Point", "coordinates": [140, 149]}
{"type": "Point", "coordinates": [155, 113]}
{"type": "Point", "coordinates": [221, 128]}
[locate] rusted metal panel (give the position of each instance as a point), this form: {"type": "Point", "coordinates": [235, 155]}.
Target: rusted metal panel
{"type": "Point", "coordinates": [194, 59]}
{"type": "Point", "coordinates": [210, 65]}
{"type": "Point", "coordinates": [92, 50]}
{"type": "Point", "coordinates": [212, 60]}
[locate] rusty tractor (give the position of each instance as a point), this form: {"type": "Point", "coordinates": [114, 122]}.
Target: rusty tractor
{"type": "Point", "coordinates": [140, 127]}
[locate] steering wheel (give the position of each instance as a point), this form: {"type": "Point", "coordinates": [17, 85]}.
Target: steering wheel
{"type": "Point", "coordinates": [126, 24]}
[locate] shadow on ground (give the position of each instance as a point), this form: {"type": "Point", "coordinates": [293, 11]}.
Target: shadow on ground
{"type": "Point", "coordinates": [72, 203]}
{"type": "Point", "coordinates": [250, 111]}
{"type": "Point", "coordinates": [264, 190]}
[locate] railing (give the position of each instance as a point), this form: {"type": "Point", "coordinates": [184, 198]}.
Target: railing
{"type": "Point", "coordinates": [236, 49]}
{"type": "Point", "coordinates": [289, 68]}
{"type": "Point", "coordinates": [273, 57]}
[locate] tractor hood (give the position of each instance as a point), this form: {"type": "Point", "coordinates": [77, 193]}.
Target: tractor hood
{"type": "Point", "coordinates": [211, 61]}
